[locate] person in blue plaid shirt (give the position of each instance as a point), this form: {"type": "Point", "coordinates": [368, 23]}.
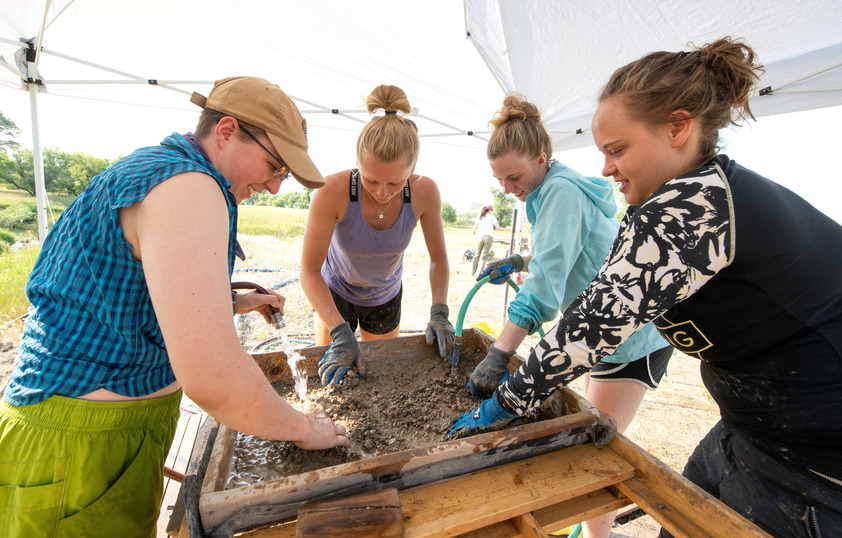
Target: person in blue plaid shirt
{"type": "Point", "coordinates": [131, 305]}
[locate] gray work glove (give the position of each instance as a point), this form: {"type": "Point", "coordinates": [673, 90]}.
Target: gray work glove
{"type": "Point", "coordinates": [500, 270]}
{"type": "Point", "coordinates": [492, 371]}
{"type": "Point", "coordinates": [341, 354]}
{"type": "Point", "coordinates": [439, 328]}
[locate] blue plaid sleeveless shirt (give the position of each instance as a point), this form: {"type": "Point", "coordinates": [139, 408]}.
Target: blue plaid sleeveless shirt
{"type": "Point", "coordinates": [91, 323]}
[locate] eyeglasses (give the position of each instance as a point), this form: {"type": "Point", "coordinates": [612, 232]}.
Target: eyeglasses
{"type": "Point", "coordinates": [281, 172]}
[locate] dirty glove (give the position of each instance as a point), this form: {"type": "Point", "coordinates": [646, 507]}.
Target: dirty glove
{"type": "Point", "coordinates": [490, 413]}
{"type": "Point", "coordinates": [440, 329]}
{"type": "Point", "coordinates": [341, 354]}
{"type": "Point", "coordinates": [488, 374]}
{"type": "Point", "coordinates": [500, 270]}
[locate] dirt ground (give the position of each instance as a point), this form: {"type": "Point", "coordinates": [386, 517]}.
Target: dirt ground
{"type": "Point", "coordinates": [671, 419]}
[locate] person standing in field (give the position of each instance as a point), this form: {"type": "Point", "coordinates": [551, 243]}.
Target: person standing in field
{"type": "Point", "coordinates": [484, 226]}
{"type": "Point", "coordinates": [358, 227]}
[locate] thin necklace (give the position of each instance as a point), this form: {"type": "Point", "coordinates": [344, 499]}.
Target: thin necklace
{"type": "Point", "coordinates": [375, 203]}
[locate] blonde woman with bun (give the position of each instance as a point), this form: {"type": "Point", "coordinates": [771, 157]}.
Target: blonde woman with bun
{"type": "Point", "coordinates": [359, 225]}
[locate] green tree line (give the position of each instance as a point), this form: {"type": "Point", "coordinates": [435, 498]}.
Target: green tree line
{"type": "Point", "coordinates": [292, 200]}
{"type": "Point", "coordinates": [503, 209]}
{"type": "Point", "coordinates": [65, 173]}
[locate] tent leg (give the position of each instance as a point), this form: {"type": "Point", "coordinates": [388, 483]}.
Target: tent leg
{"type": "Point", "coordinates": [38, 165]}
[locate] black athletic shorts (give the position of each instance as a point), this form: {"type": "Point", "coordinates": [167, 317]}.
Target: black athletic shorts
{"type": "Point", "coordinates": [381, 319]}
{"type": "Point", "coordinates": [647, 371]}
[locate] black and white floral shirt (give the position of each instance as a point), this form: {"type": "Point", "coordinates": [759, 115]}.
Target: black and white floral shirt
{"type": "Point", "coordinates": [736, 271]}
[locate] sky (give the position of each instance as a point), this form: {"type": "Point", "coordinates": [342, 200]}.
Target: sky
{"type": "Point", "coordinates": [796, 150]}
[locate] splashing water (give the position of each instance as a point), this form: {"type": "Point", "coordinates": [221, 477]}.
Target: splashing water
{"type": "Point", "coordinates": [299, 374]}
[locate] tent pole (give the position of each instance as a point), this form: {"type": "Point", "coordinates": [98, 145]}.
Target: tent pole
{"type": "Point", "coordinates": [511, 251]}
{"type": "Point", "coordinates": [38, 164]}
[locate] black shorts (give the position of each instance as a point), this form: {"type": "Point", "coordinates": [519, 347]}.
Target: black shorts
{"type": "Point", "coordinates": [381, 319]}
{"type": "Point", "coordinates": [647, 371]}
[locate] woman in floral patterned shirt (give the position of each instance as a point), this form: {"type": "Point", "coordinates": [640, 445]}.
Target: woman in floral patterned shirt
{"type": "Point", "coordinates": [734, 270]}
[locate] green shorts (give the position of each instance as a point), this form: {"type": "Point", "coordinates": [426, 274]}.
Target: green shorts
{"type": "Point", "coordinates": [72, 467]}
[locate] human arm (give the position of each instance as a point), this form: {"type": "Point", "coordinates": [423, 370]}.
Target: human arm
{"type": "Point", "coordinates": [327, 206]}
{"type": "Point", "coordinates": [559, 231]}
{"type": "Point", "coordinates": [566, 253]}
{"type": "Point", "coordinates": [501, 228]}
{"type": "Point", "coordinates": [439, 328]}
{"type": "Point", "coordinates": [666, 241]}
{"type": "Point", "coordinates": [183, 248]}
{"type": "Point", "coordinates": [254, 301]}
{"type": "Point", "coordinates": [428, 211]}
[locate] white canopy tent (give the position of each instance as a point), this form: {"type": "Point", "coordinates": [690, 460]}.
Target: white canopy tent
{"type": "Point", "coordinates": [559, 54]}
{"type": "Point", "coordinates": [326, 55]}
{"type": "Point", "coordinates": [329, 54]}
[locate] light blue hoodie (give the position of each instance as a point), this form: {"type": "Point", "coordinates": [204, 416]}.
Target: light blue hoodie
{"type": "Point", "coordinates": [574, 224]}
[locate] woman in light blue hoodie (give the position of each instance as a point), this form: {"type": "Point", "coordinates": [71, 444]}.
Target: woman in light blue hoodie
{"type": "Point", "coordinates": [574, 224]}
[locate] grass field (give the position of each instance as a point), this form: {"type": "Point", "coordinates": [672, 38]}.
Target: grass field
{"type": "Point", "coordinates": [29, 229]}
{"type": "Point", "coordinates": [280, 222]}
{"type": "Point", "coordinates": [15, 266]}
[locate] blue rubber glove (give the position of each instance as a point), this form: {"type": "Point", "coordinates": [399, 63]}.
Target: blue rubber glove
{"type": "Point", "coordinates": [490, 413]}
{"type": "Point", "coordinates": [341, 354]}
{"type": "Point", "coordinates": [440, 329]}
{"type": "Point", "coordinates": [488, 374]}
{"type": "Point", "coordinates": [500, 270]}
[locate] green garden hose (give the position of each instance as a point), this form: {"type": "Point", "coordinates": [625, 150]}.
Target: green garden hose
{"type": "Point", "coordinates": [461, 319]}
{"type": "Point", "coordinates": [457, 341]}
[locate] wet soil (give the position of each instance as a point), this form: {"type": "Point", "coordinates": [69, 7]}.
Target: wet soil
{"type": "Point", "coordinates": [400, 404]}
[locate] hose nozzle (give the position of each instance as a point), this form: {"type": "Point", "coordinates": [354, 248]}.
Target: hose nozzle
{"type": "Point", "coordinates": [278, 320]}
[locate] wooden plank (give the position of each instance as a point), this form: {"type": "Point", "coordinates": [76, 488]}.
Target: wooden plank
{"type": "Point", "coordinates": [503, 529]}
{"type": "Point", "coordinates": [552, 518]}
{"type": "Point", "coordinates": [177, 460]}
{"type": "Point", "coordinates": [279, 530]}
{"type": "Point", "coordinates": [178, 525]}
{"type": "Point", "coordinates": [480, 499]}
{"type": "Point", "coordinates": [182, 458]}
{"type": "Point", "coordinates": [528, 527]}
{"type": "Point", "coordinates": [560, 515]}
{"type": "Point", "coordinates": [370, 514]}
{"type": "Point", "coordinates": [171, 485]}
{"type": "Point", "coordinates": [681, 507]}
{"type": "Point", "coordinates": [576, 422]}
{"type": "Point", "coordinates": [277, 499]}
{"type": "Point", "coordinates": [220, 459]}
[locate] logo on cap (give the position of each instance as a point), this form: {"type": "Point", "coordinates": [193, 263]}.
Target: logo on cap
{"type": "Point", "coordinates": [304, 128]}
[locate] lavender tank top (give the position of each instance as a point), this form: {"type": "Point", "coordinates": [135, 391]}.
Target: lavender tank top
{"type": "Point", "coordinates": [364, 266]}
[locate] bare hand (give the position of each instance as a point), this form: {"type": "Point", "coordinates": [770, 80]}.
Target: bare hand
{"type": "Point", "coordinates": [325, 434]}
{"type": "Point", "coordinates": [254, 301]}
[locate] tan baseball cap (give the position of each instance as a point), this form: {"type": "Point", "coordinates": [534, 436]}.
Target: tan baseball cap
{"type": "Point", "coordinates": [265, 105]}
